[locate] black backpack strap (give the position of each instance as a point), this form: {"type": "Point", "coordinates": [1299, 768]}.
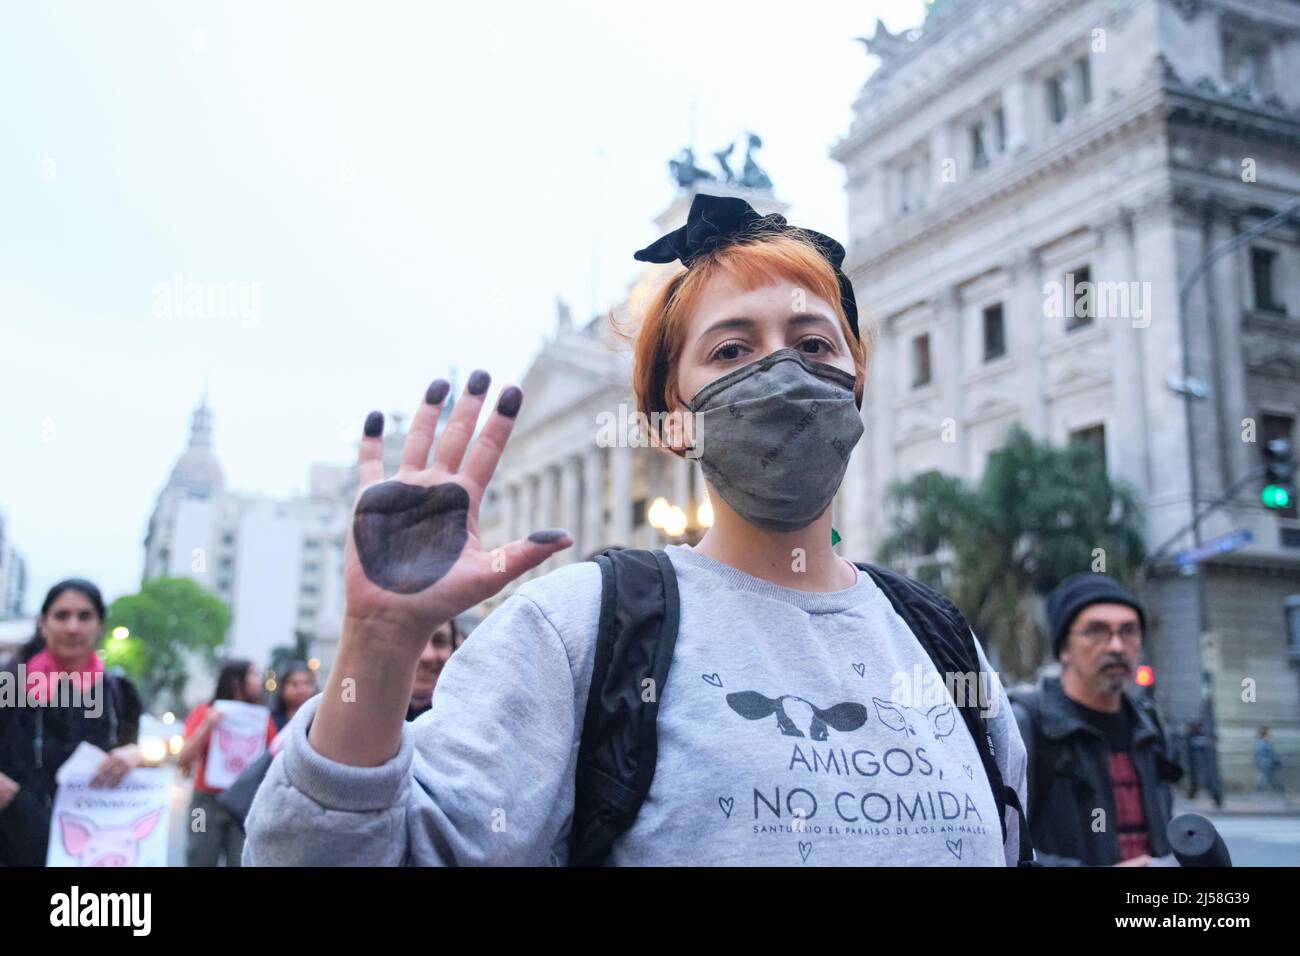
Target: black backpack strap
{"type": "Point", "coordinates": [639, 611]}
{"type": "Point", "coordinates": [943, 632]}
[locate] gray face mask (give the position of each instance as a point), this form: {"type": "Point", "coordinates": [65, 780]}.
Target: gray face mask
{"type": "Point", "coordinates": [774, 437]}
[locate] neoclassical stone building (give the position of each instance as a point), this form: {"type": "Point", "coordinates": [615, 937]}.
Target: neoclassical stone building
{"type": "Point", "coordinates": [1006, 152]}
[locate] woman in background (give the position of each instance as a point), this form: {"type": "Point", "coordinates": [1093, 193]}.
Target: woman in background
{"type": "Point", "coordinates": [93, 706]}
{"type": "Point", "coordinates": [221, 834]}
{"type": "Point", "coordinates": [297, 686]}
{"type": "Point", "coordinates": [442, 643]}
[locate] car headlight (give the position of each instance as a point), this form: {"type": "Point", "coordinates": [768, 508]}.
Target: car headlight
{"type": "Point", "coordinates": [153, 749]}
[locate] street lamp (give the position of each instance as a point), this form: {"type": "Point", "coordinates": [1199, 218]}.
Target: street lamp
{"type": "Point", "coordinates": [674, 520]}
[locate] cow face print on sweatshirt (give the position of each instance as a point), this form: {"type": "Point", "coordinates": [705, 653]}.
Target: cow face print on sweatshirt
{"type": "Point", "coordinates": [792, 711]}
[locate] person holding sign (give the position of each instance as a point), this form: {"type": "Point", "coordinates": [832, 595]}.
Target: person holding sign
{"type": "Point", "coordinates": [237, 728]}
{"type": "Point", "coordinates": [54, 696]}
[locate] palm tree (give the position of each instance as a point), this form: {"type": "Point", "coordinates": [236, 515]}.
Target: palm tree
{"type": "Point", "coordinates": [1038, 514]}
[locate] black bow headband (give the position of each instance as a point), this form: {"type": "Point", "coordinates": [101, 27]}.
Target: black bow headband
{"type": "Point", "coordinates": [718, 221]}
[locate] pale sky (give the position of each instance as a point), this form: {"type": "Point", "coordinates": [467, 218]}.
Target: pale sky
{"type": "Point", "coordinates": [404, 186]}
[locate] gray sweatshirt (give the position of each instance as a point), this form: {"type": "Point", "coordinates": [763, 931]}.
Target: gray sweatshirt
{"type": "Point", "coordinates": [796, 728]}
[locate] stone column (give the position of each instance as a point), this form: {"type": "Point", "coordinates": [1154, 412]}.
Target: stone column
{"type": "Point", "coordinates": [1016, 113]}
{"type": "Point", "coordinates": [528, 509]}
{"type": "Point", "coordinates": [620, 503]}
{"type": "Point", "coordinates": [594, 534]}
{"type": "Point", "coordinates": [1115, 263]}
{"type": "Point", "coordinates": [949, 366]}
{"type": "Point", "coordinates": [509, 513]}
{"type": "Point", "coordinates": [570, 495]}
{"type": "Point", "coordinates": [527, 519]}
{"type": "Point", "coordinates": [1028, 325]}
{"type": "Point", "coordinates": [942, 150]}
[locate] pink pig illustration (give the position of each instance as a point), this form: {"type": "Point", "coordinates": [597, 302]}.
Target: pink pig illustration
{"type": "Point", "coordinates": [237, 750]}
{"type": "Point", "coordinates": [91, 845]}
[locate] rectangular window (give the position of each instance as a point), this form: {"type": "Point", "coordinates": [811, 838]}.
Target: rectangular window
{"type": "Point", "coordinates": [1245, 64]}
{"type": "Point", "coordinates": [1000, 129]}
{"type": "Point", "coordinates": [1084, 306]}
{"type": "Point", "coordinates": [979, 154]}
{"type": "Point", "coordinates": [921, 361]}
{"type": "Point", "coordinates": [1094, 436]}
{"type": "Point", "coordinates": [1263, 271]}
{"type": "Point", "coordinates": [995, 333]}
{"type": "Point", "coordinates": [1056, 98]}
{"type": "Point", "coordinates": [1083, 77]}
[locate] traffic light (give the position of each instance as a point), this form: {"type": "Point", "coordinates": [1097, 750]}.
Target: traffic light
{"type": "Point", "coordinates": [1279, 477]}
{"type": "Point", "coordinates": [1146, 679]}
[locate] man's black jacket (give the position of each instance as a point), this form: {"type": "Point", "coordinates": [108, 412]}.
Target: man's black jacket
{"type": "Point", "coordinates": [1069, 779]}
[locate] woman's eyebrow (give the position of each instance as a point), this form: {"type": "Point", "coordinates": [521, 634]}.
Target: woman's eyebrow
{"type": "Point", "coordinates": [743, 322]}
{"type": "Point", "coordinates": [738, 322]}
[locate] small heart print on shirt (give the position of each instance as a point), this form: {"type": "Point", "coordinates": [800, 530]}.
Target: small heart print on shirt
{"type": "Point", "coordinates": [861, 669]}
{"type": "Point", "coordinates": [713, 679]}
{"type": "Point", "coordinates": [804, 850]}
{"type": "Point", "coordinates": [954, 847]}
{"type": "Point", "coordinates": [726, 803]}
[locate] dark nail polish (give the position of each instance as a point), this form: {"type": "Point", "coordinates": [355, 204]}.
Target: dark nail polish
{"type": "Point", "coordinates": [437, 392]}
{"type": "Point", "coordinates": [509, 402]}
{"type": "Point", "coordinates": [549, 536]}
{"type": "Point", "coordinates": [374, 424]}
{"type": "Point", "coordinates": [479, 382]}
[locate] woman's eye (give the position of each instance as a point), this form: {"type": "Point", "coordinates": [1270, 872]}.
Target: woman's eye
{"type": "Point", "coordinates": [820, 346]}
{"type": "Point", "coordinates": [727, 352]}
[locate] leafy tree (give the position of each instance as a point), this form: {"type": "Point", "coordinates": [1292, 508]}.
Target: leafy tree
{"type": "Point", "coordinates": [169, 620]}
{"type": "Point", "coordinates": [1038, 514]}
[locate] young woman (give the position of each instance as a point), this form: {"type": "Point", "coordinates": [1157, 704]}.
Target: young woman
{"type": "Point", "coordinates": [35, 740]}
{"type": "Point", "coordinates": [297, 685]}
{"type": "Point", "coordinates": [221, 836]}
{"type": "Point", "coordinates": [442, 643]}
{"type": "Point", "coordinates": [787, 732]}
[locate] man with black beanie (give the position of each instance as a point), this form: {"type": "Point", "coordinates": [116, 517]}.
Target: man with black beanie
{"type": "Point", "coordinates": [1099, 770]}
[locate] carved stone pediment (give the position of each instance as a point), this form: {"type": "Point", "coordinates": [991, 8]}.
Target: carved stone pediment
{"type": "Point", "coordinates": [1266, 355]}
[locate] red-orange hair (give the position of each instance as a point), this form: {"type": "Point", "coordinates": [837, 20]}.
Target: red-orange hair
{"type": "Point", "coordinates": [751, 264]}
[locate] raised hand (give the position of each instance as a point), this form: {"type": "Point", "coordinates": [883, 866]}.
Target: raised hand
{"type": "Point", "coordinates": [414, 558]}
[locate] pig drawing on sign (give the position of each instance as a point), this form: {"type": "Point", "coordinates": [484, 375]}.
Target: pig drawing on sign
{"type": "Point", "coordinates": [933, 724]}
{"type": "Point", "coordinates": [237, 750]}
{"type": "Point", "coordinates": [92, 845]}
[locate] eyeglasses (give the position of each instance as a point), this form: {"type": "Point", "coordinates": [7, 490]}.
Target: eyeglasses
{"type": "Point", "coordinates": [1096, 632]}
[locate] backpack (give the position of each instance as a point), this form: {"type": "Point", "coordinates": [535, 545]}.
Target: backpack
{"type": "Point", "coordinates": [639, 613]}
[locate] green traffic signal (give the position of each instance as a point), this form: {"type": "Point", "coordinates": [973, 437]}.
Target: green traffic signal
{"type": "Point", "coordinates": [1276, 497]}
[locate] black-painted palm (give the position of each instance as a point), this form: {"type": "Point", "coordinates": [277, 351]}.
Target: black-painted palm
{"type": "Point", "coordinates": [414, 558]}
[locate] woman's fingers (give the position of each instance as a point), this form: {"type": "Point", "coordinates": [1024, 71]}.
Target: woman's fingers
{"type": "Point", "coordinates": [450, 448]}
{"type": "Point", "coordinates": [483, 457]}
{"type": "Point", "coordinates": [371, 457]}
{"type": "Point", "coordinates": [415, 453]}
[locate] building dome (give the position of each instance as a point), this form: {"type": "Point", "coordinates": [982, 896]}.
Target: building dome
{"type": "Point", "coordinates": [197, 471]}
